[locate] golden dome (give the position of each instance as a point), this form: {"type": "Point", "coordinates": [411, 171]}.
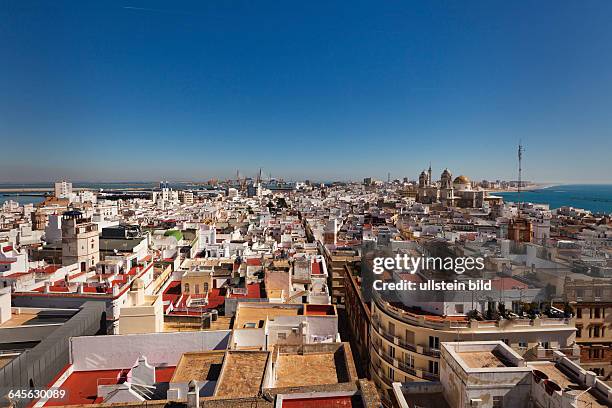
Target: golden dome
{"type": "Point", "coordinates": [461, 180]}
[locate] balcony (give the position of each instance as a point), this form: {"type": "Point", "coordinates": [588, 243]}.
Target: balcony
{"type": "Point", "coordinates": [393, 339]}
{"type": "Point", "coordinates": [395, 363]}
{"type": "Point", "coordinates": [406, 368]}
{"type": "Point", "coordinates": [443, 323]}
{"type": "Point", "coordinates": [432, 352]}
{"type": "Point", "coordinates": [430, 376]}
{"type": "Point", "coordinates": [548, 354]}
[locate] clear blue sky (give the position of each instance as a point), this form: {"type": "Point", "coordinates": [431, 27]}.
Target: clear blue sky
{"type": "Point", "coordinates": [135, 90]}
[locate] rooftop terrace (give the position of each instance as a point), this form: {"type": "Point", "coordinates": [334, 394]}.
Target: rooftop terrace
{"type": "Point", "coordinates": [242, 374]}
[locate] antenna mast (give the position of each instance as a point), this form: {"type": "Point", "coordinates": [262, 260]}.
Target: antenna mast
{"type": "Point", "coordinates": [520, 170]}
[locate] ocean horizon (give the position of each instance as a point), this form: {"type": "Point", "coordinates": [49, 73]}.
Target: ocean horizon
{"type": "Point", "coordinates": [593, 197]}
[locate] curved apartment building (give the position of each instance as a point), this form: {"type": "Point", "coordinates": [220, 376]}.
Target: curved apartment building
{"type": "Point", "coordinates": [405, 342]}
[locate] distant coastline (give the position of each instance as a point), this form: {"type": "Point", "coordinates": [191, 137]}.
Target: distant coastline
{"type": "Point", "coordinates": [596, 198]}
{"type": "Point", "coordinates": [531, 187]}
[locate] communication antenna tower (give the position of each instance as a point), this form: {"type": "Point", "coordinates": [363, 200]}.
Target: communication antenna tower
{"type": "Point", "coordinates": [520, 170]}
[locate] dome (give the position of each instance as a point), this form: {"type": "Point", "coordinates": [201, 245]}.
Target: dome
{"type": "Point", "coordinates": [446, 173]}
{"type": "Point", "coordinates": [462, 180]}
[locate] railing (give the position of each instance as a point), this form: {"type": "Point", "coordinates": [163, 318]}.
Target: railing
{"type": "Point", "coordinates": [442, 323]}
{"type": "Point", "coordinates": [430, 376]}
{"type": "Point", "coordinates": [393, 339]}
{"type": "Point", "coordinates": [392, 360]}
{"type": "Point", "coordinates": [431, 351]}
{"type": "Point", "coordinates": [406, 368]}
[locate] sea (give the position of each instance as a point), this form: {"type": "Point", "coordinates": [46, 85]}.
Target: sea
{"type": "Point", "coordinates": [596, 198]}
{"type": "Point", "coordinates": [38, 196]}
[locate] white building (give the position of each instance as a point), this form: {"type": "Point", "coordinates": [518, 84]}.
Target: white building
{"type": "Point", "coordinates": [63, 189]}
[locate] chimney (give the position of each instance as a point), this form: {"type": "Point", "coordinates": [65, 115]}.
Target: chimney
{"type": "Point", "coordinates": [193, 395]}
{"type": "Point", "coordinates": [589, 379]}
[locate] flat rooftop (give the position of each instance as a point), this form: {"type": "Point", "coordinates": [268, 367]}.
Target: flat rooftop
{"type": "Point", "coordinates": [6, 358]}
{"type": "Point", "coordinates": [353, 401]}
{"type": "Point", "coordinates": [434, 399]}
{"type": "Point", "coordinates": [82, 386]}
{"type": "Point", "coordinates": [195, 324]}
{"type": "Point", "coordinates": [586, 400]}
{"type": "Point", "coordinates": [257, 315]}
{"type": "Point", "coordinates": [199, 366]}
{"type": "Point", "coordinates": [295, 370]}
{"type": "Point", "coordinates": [242, 374]}
{"type": "Point", "coordinates": [481, 359]}
{"type": "Point", "coordinates": [28, 318]}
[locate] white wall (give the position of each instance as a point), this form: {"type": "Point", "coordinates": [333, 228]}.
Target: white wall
{"type": "Point", "coordinates": [121, 351]}
{"type": "Point", "coordinates": [249, 338]}
{"type": "Point", "coordinates": [5, 304]}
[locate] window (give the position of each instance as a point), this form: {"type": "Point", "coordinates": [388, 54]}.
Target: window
{"type": "Point", "coordinates": [498, 402]}
{"type": "Point", "coordinates": [282, 336]}
{"type": "Point", "coordinates": [579, 293]}
{"type": "Point", "coordinates": [391, 374]}
{"type": "Point", "coordinates": [205, 287]}
{"type": "Point", "coordinates": [523, 344]}
{"type": "Point", "coordinates": [579, 313]}
{"type": "Point", "coordinates": [409, 360]}
{"type": "Point", "coordinates": [392, 351]}
{"type": "Point", "coordinates": [506, 341]}
{"type": "Point", "coordinates": [197, 288]}
{"type": "Point", "coordinates": [409, 337]}
{"type": "Point", "coordinates": [434, 342]}
{"type": "Point", "coordinates": [391, 329]}
{"type": "Point", "coordinates": [596, 330]}
{"type": "Point", "coordinates": [433, 367]}
{"type": "Point", "coordinates": [459, 308]}
{"type": "Point", "coordinates": [597, 313]}
{"type": "Point", "coordinates": [186, 288]}
{"type": "Point", "coordinates": [598, 292]}
{"type": "Point", "coordinates": [578, 331]}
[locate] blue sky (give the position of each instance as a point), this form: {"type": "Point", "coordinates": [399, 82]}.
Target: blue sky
{"type": "Point", "coordinates": [135, 90]}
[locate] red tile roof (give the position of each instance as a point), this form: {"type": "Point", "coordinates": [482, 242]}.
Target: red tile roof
{"type": "Point", "coordinates": [320, 402]}
{"type": "Point", "coordinates": [164, 374]}
{"type": "Point", "coordinates": [82, 387]}
{"type": "Point", "coordinates": [16, 275]}
{"type": "Point", "coordinates": [253, 262]}
{"type": "Point", "coordinates": [507, 283]}
{"type": "Point", "coordinates": [216, 298]}
{"type": "Point", "coordinates": [253, 292]}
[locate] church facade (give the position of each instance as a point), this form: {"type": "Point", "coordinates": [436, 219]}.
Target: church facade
{"type": "Point", "coordinates": [449, 192]}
